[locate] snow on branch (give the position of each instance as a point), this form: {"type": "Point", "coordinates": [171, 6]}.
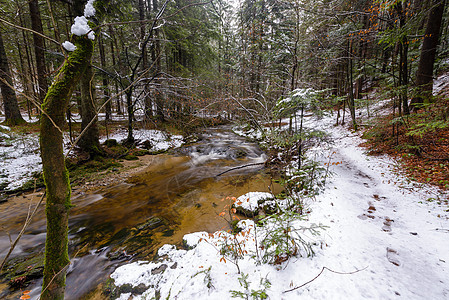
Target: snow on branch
{"type": "Point", "coordinates": [81, 26]}
{"type": "Point", "coordinates": [89, 10]}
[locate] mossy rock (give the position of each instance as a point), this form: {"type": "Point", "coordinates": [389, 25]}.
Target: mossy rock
{"type": "Point", "coordinates": [4, 185]}
{"type": "Point", "coordinates": [3, 198]}
{"type": "Point", "coordinates": [270, 208]}
{"type": "Point", "coordinates": [115, 150]}
{"type": "Point", "coordinates": [111, 143]}
{"type": "Point", "coordinates": [37, 181]}
{"type": "Point", "coordinates": [152, 223]}
{"type": "Point", "coordinates": [135, 290]}
{"type": "Point", "coordinates": [156, 152]}
{"type": "Point", "coordinates": [20, 271]}
{"type": "Point", "coordinates": [141, 152]}
{"type": "Point", "coordinates": [235, 229]}
{"type": "Point", "coordinates": [130, 157]}
{"type": "Point", "coordinates": [147, 144]}
{"type": "Point", "coordinates": [110, 289]}
{"type": "Point", "coordinates": [168, 232]}
{"type": "Point", "coordinates": [246, 212]}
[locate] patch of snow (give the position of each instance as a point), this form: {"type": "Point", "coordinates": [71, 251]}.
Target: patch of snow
{"type": "Point", "coordinates": [252, 133]}
{"type": "Point", "coordinates": [89, 10]}
{"type": "Point", "coordinates": [124, 296]}
{"type": "Point", "coordinates": [204, 271]}
{"type": "Point", "coordinates": [20, 154]}
{"type": "Point", "coordinates": [20, 158]}
{"type": "Point", "coordinates": [441, 83]}
{"type": "Point", "coordinates": [160, 140]}
{"type": "Point", "coordinates": [250, 201]}
{"type": "Point", "coordinates": [80, 27]}
{"type": "Point", "coordinates": [192, 239]}
{"type": "Point", "coordinates": [166, 249]}
{"type": "Point", "coordinates": [69, 46]}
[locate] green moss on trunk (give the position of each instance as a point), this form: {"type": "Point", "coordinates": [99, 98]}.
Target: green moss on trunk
{"type": "Point", "coordinates": [55, 173]}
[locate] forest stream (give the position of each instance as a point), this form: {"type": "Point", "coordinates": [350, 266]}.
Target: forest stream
{"type": "Point", "coordinates": [177, 193]}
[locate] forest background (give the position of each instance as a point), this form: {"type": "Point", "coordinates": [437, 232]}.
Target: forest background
{"type": "Point", "coordinates": [165, 64]}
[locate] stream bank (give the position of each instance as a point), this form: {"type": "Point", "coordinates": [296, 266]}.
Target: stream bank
{"type": "Point", "coordinates": [128, 215]}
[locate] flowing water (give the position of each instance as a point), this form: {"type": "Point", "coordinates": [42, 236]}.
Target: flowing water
{"type": "Point", "coordinates": [176, 194]}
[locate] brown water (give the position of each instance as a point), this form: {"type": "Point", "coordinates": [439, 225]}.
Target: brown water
{"type": "Point", "coordinates": [175, 195]}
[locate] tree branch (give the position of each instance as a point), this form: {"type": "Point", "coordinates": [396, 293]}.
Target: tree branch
{"type": "Point", "coordinates": [321, 272]}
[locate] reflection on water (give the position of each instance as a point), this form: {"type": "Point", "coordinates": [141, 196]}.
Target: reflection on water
{"type": "Point", "coordinates": [175, 195]}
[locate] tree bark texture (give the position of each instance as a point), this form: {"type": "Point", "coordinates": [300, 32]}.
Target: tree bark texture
{"type": "Point", "coordinates": [156, 53]}
{"type": "Point", "coordinates": [106, 93]}
{"type": "Point", "coordinates": [10, 104]}
{"type": "Point", "coordinates": [90, 140]}
{"type": "Point", "coordinates": [39, 48]}
{"type": "Point", "coordinates": [424, 75]}
{"type": "Point", "coordinates": [55, 173]}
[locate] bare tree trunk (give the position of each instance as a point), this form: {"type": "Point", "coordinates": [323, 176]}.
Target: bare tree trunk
{"type": "Point", "coordinates": [113, 54]}
{"type": "Point", "coordinates": [39, 48]}
{"type": "Point", "coordinates": [90, 140]}
{"type": "Point", "coordinates": [424, 75]}
{"type": "Point", "coordinates": [106, 93]}
{"type": "Point", "coordinates": [10, 104]}
{"type": "Point", "coordinates": [156, 55]}
{"type": "Point", "coordinates": [130, 107]}
{"type": "Point", "coordinates": [351, 102]}
{"type": "Point", "coordinates": [147, 99]}
{"type": "Point", "coordinates": [403, 62]}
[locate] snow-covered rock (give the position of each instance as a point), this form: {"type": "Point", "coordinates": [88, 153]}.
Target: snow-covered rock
{"type": "Point", "coordinates": [249, 203]}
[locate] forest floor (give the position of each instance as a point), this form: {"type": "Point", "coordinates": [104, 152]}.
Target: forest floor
{"type": "Point", "coordinates": [385, 237]}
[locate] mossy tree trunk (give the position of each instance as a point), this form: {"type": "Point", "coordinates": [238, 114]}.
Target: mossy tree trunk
{"type": "Point", "coordinates": [90, 140]}
{"type": "Point", "coordinates": [55, 173]}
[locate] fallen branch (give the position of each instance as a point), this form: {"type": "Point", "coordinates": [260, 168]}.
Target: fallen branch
{"type": "Point", "coordinates": [321, 272]}
{"type": "Point", "coordinates": [240, 167]}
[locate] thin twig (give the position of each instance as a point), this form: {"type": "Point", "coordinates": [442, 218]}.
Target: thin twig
{"type": "Point", "coordinates": [103, 105]}
{"type": "Point", "coordinates": [55, 28]}
{"type": "Point", "coordinates": [321, 272]}
{"type": "Point", "coordinates": [30, 30]}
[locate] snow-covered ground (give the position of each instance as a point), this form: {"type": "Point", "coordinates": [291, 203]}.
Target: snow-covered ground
{"type": "Point", "coordinates": [386, 238]}
{"type": "Point", "coordinates": [159, 140]}
{"type": "Point", "coordinates": [19, 158]}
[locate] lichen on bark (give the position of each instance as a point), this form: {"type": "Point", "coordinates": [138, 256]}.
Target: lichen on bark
{"type": "Point", "coordinates": [55, 173]}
